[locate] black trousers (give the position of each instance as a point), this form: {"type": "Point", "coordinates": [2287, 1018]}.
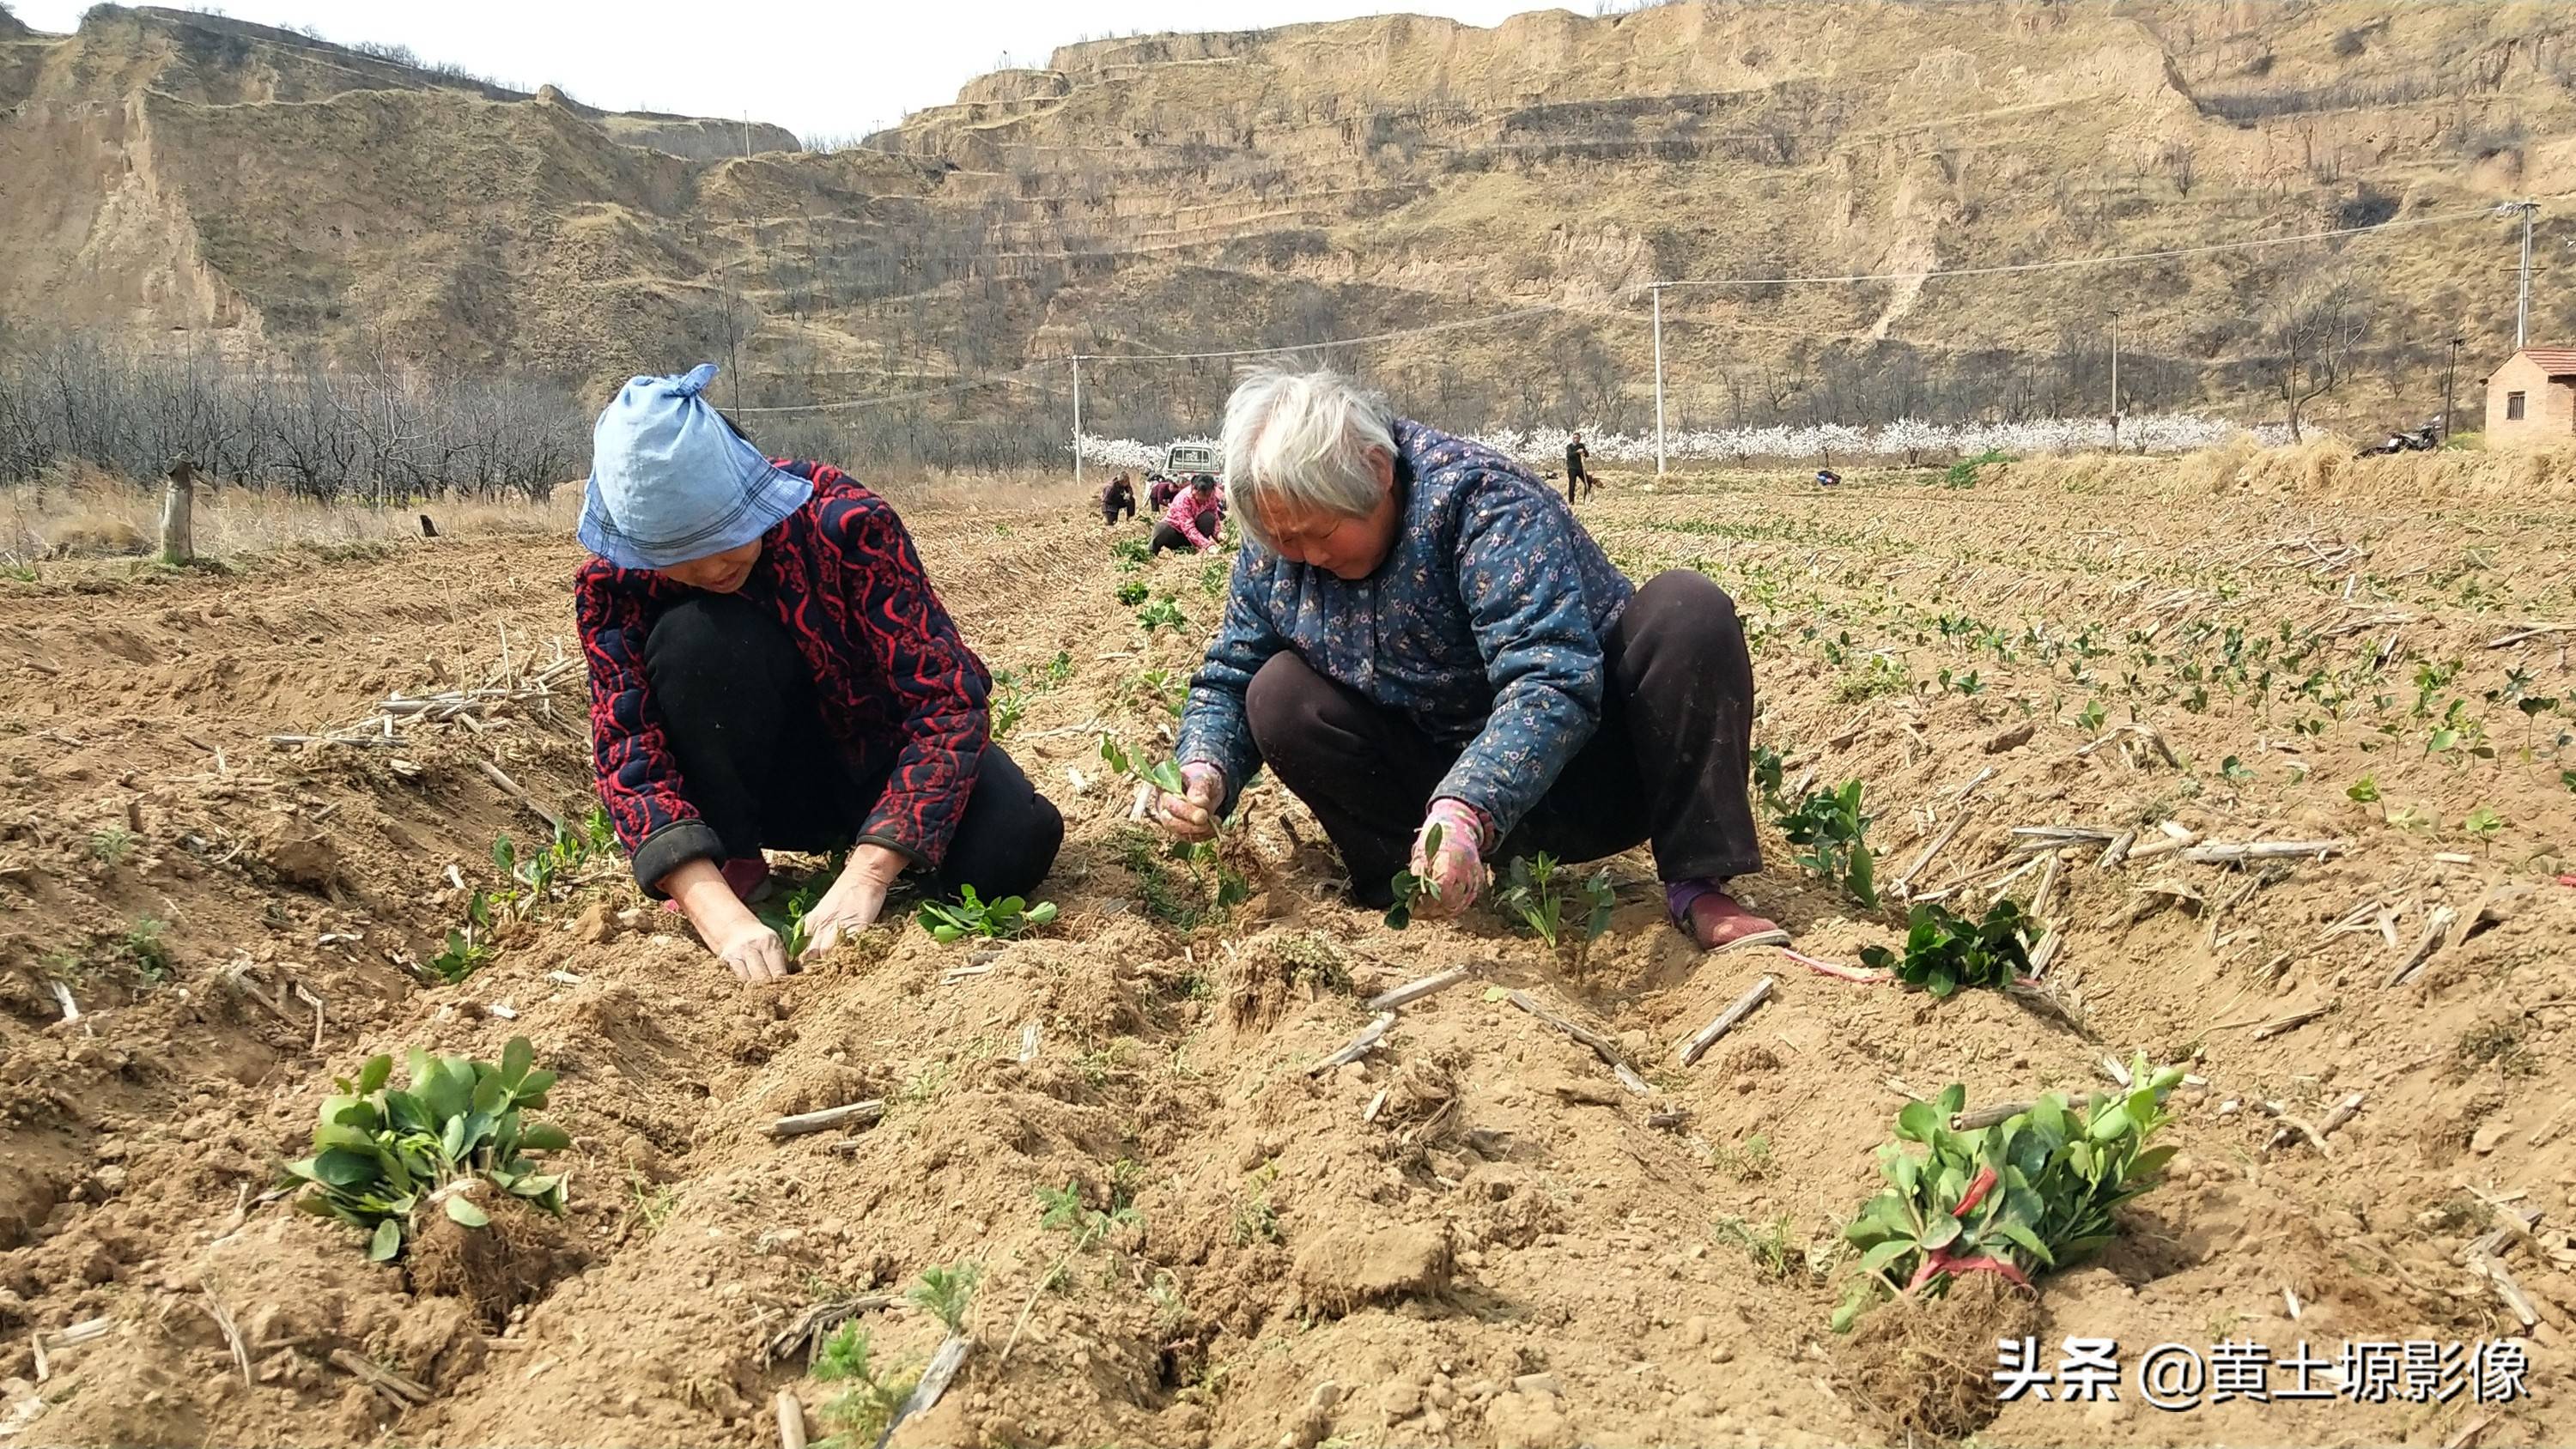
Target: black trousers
{"type": "Point", "coordinates": [1670, 763]}
{"type": "Point", "coordinates": [739, 707]}
{"type": "Point", "coordinates": [1111, 512]}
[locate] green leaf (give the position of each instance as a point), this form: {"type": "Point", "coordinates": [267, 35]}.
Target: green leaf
{"type": "Point", "coordinates": [353, 1139]}
{"type": "Point", "coordinates": [1940, 1232]}
{"type": "Point", "coordinates": [489, 1093]}
{"type": "Point", "coordinates": [340, 1167]}
{"type": "Point", "coordinates": [373, 1076]}
{"type": "Point", "coordinates": [1885, 1253]}
{"type": "Point", "coordinates": [386, 1242]}
{"type": "Point", "coordinates": [463, 1212]}
{"type": "Point", "coordinates": [536, 1184]}
{"type": "Point", "coordinates": [444, 1093]}
{"type": "Point", "coordinates": [2028, 1241]}
{"type": "Point", "coordinates": [1917, 1122]}
{"type": "Point", "coordinates": [2111, 1125]}
{"type": "Point", "coordinates": [544, 1137]}
{"type": "Point", "coordinates": [516, 1058]}
{"type": "Point", "coordinates": [1862, 881]}
{"type": "Point", "coordinates": [505, 855]}
{"type": "Point", "coordinates": [1953, 1100]}
{"type": "Point", "coordinates": [1042, 913]}
{"type": "Point", "coordinates": [534, 1086]}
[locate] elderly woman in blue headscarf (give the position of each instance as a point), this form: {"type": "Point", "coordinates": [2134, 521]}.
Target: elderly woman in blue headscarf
{"type": "Point", "coordinates": [1420, 635]}
{"type": "Point", "coordinates": [770, 669]}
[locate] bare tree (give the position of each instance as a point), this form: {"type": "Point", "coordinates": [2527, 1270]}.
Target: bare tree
{"type": "Point", "coordinates": [2179, 164]}
{"type": "Point", "coordinates": [2313, 330]}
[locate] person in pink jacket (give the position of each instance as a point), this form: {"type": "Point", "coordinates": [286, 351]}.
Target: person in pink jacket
{"type": "Point", "coordinates": [1193, 520]}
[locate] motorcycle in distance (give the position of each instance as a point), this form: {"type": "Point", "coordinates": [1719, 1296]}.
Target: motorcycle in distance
{"type": "Point", "coordinates": [2423, 440]}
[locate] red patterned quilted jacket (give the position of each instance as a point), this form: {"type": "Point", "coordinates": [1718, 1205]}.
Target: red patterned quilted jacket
{"type": "Point", "coordinates": [900, 690]}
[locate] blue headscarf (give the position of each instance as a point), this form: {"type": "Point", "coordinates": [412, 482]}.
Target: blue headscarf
{"type": "Point", "coordinates": [671, 481]}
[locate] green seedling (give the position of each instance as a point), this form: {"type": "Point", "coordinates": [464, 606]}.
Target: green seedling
{"type": "Point", "coordinates": [1163, 613]}
{"type": "Point", "coordinates": [2484, 823]}
{"type": "Point", "coordinates": [1829, 823]}
{"type": "Point", "coordinates": [1410, 889]}
{"type": "Point", "coordinates": [1532, 892]}
{"type": "Point", "coordinates": [1945, 951]}
{"type": "Point", "coordinates": [860, 1413]}
{"type": "Point", "coordinates": [794, 937]}
{"type": "Point", "coordinates": [1001, 920]}
{"type": "Point", "coordinates": [111, 845]}
{"type": "Point", "coordinates": [462, 956]}
{"type": "Point", "coordinates": [946, 1293]}
{"type": "Point", "coordinates": [1768, 768]}
{"type": "Point", "coordinates": [2035, 1191]}
{"type": "Point", "coordinates": [2364, 791]}
{"type": "Point", "coordinates": [1133, 593]}
{"type": "Point", "coordinates": [1130, 552]}
{"type": "Point", "coordinates": [1163, 775]}
{"type": "Point", "coordinates": [1088, 1227]}
{"type": "Point", "coordinates": [382, 1156]}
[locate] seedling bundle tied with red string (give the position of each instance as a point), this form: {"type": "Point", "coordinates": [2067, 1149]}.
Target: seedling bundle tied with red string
{"type": "Point", "coordinates": [2034, 1191]}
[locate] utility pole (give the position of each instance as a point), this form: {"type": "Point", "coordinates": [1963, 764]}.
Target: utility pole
{"type": "Point", "coordinates": [2522, 301]}
{"type": "Point", "coordinates": [2449, 374]}
{"type": "Point", "coordinates": [1077, 419]}
{"type": "Point", "coordinates": [1658, 291]}
{"type": "Point", "coordinates": [2115, 381]}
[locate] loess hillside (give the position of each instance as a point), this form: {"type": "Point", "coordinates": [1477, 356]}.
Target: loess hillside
{"type": "Point", "coordinates": [173, 176]}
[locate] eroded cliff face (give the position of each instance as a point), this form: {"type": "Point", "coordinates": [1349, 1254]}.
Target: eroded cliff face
{"type": "Point", "coordinates": [174, 176]}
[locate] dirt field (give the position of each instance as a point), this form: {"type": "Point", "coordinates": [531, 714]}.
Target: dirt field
{"type": "Point", "coordinates": [1473, 1235]}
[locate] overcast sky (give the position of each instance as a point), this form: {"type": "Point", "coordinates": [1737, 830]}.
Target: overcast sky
{"type": "Point", "coordinates": [821, 68]}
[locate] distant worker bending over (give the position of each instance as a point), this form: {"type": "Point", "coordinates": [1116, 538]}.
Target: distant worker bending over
{"type": "Point", "coordinates": [771, 669]}
{"type": "Point", "coordinates": [1419, 634]}
{"type": "Point", "coordinates": [1194, 519]}
{"type": "Point", "coordinates": [1117, 501]}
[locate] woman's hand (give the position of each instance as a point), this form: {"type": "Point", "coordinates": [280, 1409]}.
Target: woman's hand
{"type": "Point", "coordinates": [737, 937]}
{"type": "Point", "coordinates": [1191, 815]}
{"type": "Point", "coordinates": [1456, 870]}
{"type": "Point", "coordinates": [752, 949]}
{"type": "Point", "coordinates": [855, 900]}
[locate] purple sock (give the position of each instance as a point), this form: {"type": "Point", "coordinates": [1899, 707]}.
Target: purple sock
{"type": "Point", "coordinates": [1679, 895]}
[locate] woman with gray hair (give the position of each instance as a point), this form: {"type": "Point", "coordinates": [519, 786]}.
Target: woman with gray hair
{"type": "Point", "coordinates": [1420, 635]}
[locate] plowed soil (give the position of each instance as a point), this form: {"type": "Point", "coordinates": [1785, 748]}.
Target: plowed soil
{"type": "Point", "coordinates": [1472, 1235]}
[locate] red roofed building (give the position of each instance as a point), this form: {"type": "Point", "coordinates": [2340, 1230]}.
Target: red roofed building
{"type": "Point", "coordinates": [2531, 399]}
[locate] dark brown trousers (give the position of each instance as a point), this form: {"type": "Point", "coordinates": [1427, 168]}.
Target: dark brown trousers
{"type": "Point", "coordinates": [1669, 764]}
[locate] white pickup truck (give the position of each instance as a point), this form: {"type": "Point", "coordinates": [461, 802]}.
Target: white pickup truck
{"type": "Point", "coordinates": [1187, 460]}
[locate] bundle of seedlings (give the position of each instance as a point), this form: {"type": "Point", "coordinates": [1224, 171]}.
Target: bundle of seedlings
{"type": "Point", "coordinates": [1945, 951]}
{"type": "Point", "coordinates": [1968, 1220]}
{"type": "Point", "coordinates": [438, 1172]}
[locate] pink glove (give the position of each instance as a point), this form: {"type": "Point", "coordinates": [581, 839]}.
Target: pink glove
{"type": "Point", "coordinates": [1456, 871]}
{"type": "Point", "coordinates": [1192, 815]}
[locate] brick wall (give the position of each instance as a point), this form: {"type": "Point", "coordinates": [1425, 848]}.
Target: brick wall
{"type": "Point", "coordinates": [2549, 407]}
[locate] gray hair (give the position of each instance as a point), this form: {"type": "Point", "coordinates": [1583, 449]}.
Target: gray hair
{"type": "Point", "coordinates": [1302, 440]}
